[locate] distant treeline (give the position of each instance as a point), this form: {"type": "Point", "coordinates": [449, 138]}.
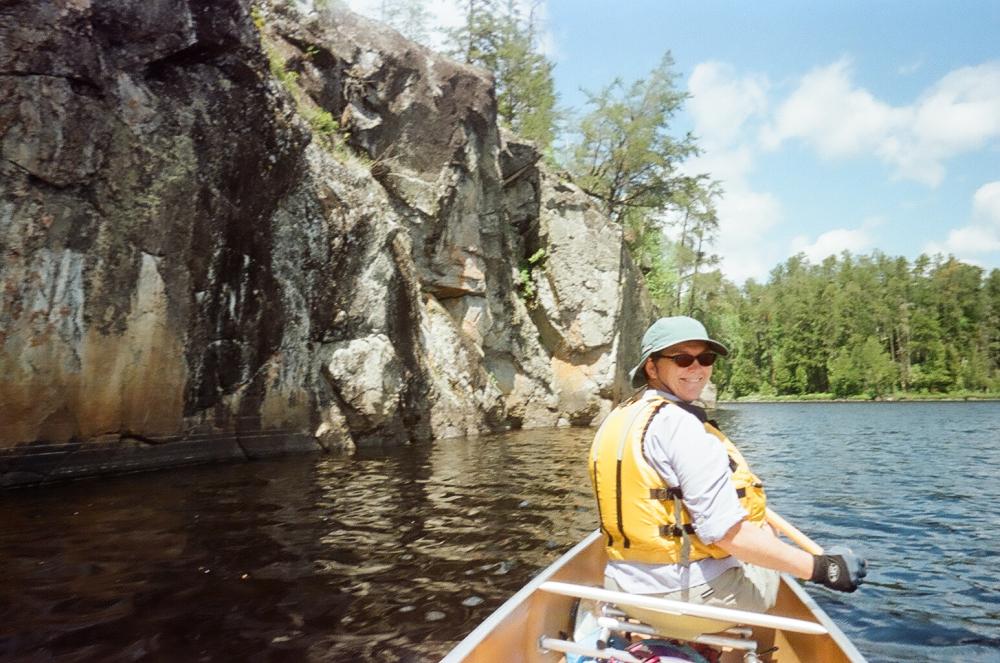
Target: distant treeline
{"type": "Point", "coordinates": [859, 326]}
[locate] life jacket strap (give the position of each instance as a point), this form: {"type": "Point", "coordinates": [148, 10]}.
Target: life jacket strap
{"type": "Point", "coordinates": [664, 494]}
{"type": "Point", "coordinates": [684, 534]}
{"type": "Point", "coordinates": [618, 470]}
{"type": "Point", "coordinates": [600, 518]}
{"type": "Point", "coordinates": [618, 504]}
{"type": "Point", "coordinates": [698, 412]}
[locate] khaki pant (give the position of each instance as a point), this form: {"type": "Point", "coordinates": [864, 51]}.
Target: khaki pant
{"type": "Point", "coordinates": [745, 588]}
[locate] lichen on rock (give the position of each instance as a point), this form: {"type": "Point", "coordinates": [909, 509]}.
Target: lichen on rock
{"type": "Point", "coordinates": [241, 229]}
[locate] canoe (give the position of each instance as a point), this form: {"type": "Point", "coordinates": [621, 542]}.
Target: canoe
{"type": "Point", "coordinates": [535, 624]}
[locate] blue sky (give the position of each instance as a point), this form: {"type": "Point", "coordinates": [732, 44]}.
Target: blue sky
{"type": "Point", "coordinates": [856, 126]}
{"type": "Point", "coordinates": [832, 126]}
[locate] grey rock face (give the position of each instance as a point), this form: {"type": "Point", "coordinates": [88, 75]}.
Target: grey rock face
{"type": "Point", "coordinates": [192, 272]}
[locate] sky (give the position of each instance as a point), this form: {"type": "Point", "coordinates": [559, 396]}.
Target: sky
{"type": "Point", "coordinates": [848, 126]}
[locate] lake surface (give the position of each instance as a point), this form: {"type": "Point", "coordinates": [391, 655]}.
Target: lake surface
{"type": "Point", "coordinates": [395, 556]}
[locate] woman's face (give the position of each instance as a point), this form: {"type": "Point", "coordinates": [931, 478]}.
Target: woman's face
{"type": "Point", "coordinates": [685, 383]}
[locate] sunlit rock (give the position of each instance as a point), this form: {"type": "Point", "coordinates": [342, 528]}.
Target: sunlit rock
{"type": "Point", "coordinates": [229, 230]}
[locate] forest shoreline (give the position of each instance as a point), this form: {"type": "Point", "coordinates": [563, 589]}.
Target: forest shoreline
{"type": "Point", "coordinates": [955, 397]}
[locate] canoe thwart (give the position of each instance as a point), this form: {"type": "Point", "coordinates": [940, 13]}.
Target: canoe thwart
{"type": "Point", "coordinates": [570, 647]}
{"type": "Point", "coordinates": [673, 607]}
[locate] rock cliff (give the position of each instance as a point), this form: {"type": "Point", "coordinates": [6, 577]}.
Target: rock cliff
{"type": "Point", "coordinates": [232, 231]}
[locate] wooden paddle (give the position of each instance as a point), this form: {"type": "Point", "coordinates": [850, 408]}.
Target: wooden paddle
{"type": "Point", "coordinates": [794, 535]}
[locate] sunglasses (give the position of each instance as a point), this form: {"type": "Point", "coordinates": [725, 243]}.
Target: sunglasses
{"type": "Point", "coordinates": [685, 360]}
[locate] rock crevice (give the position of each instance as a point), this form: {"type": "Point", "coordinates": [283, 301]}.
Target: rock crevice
{"type": "Point", "coordinates": [236, 232]}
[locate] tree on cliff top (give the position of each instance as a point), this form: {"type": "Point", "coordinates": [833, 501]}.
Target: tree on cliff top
{"type": "Point", "coordinates": [624, 155]}
{"type": "Point", "coordinates": [505, 41]}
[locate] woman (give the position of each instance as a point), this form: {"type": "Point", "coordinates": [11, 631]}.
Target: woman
{"type": "Point", "coordinates": [682, 513]}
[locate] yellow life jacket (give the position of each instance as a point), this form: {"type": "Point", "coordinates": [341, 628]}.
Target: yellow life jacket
{"type": "Point", "coordinates": [643, 518]}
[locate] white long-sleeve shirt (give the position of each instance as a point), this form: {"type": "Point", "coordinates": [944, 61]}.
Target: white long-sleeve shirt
{"type": "Point", "coordinates": [685, 455]}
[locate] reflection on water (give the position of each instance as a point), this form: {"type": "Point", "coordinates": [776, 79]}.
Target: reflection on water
{"type": "Point", "coordinates": [396, 555]}
{"type": "Point", "coordinates": [316, 558]}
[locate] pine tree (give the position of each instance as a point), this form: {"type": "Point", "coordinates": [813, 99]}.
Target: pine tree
{"type": "Point", "coordinates": [505, 41]}
{"type": "Point", "coordinates": [624, 155]}
{"type": "Point", "coordinates": [471, 41]}
{"type": "Point", "coordinates": [698, 224]}
{"type": "Point", "coordinates": [991, 328]}
{"type": "Point", "coordinates": [876, 367]}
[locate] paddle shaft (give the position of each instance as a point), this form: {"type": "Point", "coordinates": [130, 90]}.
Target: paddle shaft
{"type": "Point", "coordinates": [793, 534]}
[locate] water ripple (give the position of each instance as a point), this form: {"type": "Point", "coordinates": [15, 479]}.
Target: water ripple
{"type": "Point", "coordinates": [395, 555]}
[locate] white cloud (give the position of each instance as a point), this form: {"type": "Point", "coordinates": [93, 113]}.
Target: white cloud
{"type": "Point", "coordinates": [443, 15]}
{"type": "Point", "coordinates": [967, 241]}
{"type": "Point", "coordinates": [827, 112]}
{"type": "Point", "coordinates": [722, 106]}
{"type": "Point", "coordinates": [728, 165]}
{"type": "Point", "coordinates": [833, 242]}
{"type": "Point", "coordinates": [986, 203]}
{"type": "Point", "coordinates": [979, 237]}
{"type": "Point", "coordinates": [959, 113]}
{"type": "Point", "coordinates": [745, 219]}
{"type": "Point", "coordinates": [721, 103]}
{"type": "Point", "coordinates": [745, 216]}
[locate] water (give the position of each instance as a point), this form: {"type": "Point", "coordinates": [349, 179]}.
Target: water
{"type": "Point", "coordinates": [394, 556]}
{"type": "Point", "coordinates": [911, 485]}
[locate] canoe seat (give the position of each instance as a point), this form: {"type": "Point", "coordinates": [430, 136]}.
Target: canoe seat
{"type": "Point", "coordinates": [672, 625]}
{"type": "Point", "coordinates": [732, 638]}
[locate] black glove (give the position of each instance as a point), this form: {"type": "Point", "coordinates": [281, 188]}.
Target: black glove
{"type": "Point", "coordinates": [839, 569]}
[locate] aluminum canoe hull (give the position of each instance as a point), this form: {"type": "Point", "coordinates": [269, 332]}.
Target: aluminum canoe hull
{"type": "Point", "coordinates": [512, 633]}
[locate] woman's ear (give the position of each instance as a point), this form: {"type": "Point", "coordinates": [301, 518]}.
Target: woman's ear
{"type": "Point", "coordinates": [650, 368]}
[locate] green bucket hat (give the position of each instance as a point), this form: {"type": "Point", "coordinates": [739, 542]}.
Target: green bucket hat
{"type": "Point", "coordinates": [670, 331]}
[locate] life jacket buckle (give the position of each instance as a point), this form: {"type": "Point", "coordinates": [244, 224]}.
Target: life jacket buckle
{"type": "Point", "coordinates": [673, 531]}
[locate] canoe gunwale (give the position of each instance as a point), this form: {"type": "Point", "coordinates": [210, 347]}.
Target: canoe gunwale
{"type": "Point", "coordinates": [831, 626]}
{"type": "Point", "coordinates": [579, 566]}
